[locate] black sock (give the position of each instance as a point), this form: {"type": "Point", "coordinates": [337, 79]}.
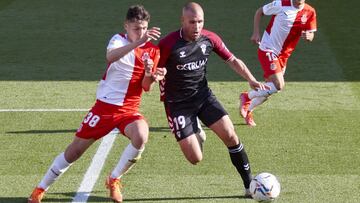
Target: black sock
{"type": "Point", "coordinates": [240, 160]}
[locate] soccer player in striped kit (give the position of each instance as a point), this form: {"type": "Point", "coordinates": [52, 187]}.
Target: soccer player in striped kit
{"type": "Point", "coordinates": [291, 20]}
{"type": "Point", "coordinates": [132, 61]}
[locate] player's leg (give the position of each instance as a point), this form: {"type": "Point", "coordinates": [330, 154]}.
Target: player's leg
{"type": "Point", "coordinates": [96, 124]}
{"type": "Point", "coordinates": [216, 118]}
{"type": "Point", "coordinates": [137, 130]}
{"type": "Point", "coordinates": [225, 130]}
{"type": "Point", "coordinates": [59, 166]}
{"type": "Point", "coordinates": [184, 125]}
{"type": "Point", "coordinates": [273, 68]}
{"type": "Point", "coordinates": [191, 149]}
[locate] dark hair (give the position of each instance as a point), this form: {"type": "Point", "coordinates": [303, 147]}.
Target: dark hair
{"type": "Point", "coordinates": [137, 13]}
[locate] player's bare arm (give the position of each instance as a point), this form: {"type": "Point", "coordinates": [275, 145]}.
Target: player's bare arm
{"type": "Point", "coordinates": [148, 79]}
{"type": "Point", "coordinates": [241, 69]}
{"type": "Point", "coordinates": [308, 35]}
{"type": "Point", "coordinates": [115, 54]}
{"type": "Point", "coordinates": [255, 37]}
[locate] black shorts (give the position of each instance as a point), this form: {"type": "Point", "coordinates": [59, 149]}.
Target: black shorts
{"type": "Point", "coordinates": [182, 116]}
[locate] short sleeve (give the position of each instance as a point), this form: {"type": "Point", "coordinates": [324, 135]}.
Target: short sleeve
{"type": "Point", "coordinates": [219, 47]}
{"type": "Point", "coordinates": [312, 24]}
{"type": "Point", "coordinates": [115, 42]}
{"type": "Point", "coordinates": [272, 8]}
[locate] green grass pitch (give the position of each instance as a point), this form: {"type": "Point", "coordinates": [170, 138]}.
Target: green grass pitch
{"type": "Point", "coordinates": [52, 54]}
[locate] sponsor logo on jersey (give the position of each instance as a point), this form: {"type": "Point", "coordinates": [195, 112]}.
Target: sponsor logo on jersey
{"type": "Point", "coordinates": [192, 65]}
{"type": "Point", "coordinates": [304, 19]}
{"type": "Point", "coordinates": [182, 54]}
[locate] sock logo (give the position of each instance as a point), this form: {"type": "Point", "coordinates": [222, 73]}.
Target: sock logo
{"type": "Point", "coordinates": [246, 167]}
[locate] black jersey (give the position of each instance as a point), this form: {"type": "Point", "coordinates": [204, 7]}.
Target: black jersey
{"type": "Point", "coordinates": [186, 64]}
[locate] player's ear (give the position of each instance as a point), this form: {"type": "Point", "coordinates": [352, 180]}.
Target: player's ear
{"type": "Point", "coordinates": [126, 25]}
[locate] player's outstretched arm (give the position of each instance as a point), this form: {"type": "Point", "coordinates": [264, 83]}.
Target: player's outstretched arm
{"type": "Point", "coordinates": [113, 55]}
{"type": "Point", "coordinates": [241, 69]}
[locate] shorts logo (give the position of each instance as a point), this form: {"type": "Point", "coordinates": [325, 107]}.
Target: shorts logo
{"type": "Point", "coordinates": [272, 66]}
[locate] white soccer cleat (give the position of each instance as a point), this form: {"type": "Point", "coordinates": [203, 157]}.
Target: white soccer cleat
{"type": "Point", "coordinates": [201, 137]}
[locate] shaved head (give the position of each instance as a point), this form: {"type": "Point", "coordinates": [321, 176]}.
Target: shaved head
{"type": "Point", "coordinates": [192, 21]}
{"type": "Point", "coordinates": [192, 8]}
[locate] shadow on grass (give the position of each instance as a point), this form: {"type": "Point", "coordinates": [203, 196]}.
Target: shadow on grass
{"type": "Point", "coordinates": [152, 129]}
{"type": "Point", "coordinates": [106, 199]}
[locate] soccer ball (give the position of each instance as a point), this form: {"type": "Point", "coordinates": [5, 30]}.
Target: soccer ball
{"type": "Point", "coordinates": [264, 187]}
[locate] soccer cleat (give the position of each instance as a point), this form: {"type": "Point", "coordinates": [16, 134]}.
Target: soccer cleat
{"type": "Point", "coordinates": [247, 193]}
{"type": "Point", "coordinates": [114, 186]}
{"type": "Point", "coordinates": [201, 137]}
{"type": "Point", "coordinates": [249, 119]}
{"type": "Point", "coordinates": [244, 104]}
{"type": "Point", "coordinates": [36, 196]}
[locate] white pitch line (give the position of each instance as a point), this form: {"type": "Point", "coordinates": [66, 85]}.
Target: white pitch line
{"type": "Point", "coordinates": [43, 110]}
{"type": "Point", "coordinates": [93, 172]}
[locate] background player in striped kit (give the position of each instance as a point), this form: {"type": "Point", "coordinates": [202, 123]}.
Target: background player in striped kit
{"type": "Point", "coordinates": [291, 19]}
{"type": "Point", "coordinates": [132, 61]}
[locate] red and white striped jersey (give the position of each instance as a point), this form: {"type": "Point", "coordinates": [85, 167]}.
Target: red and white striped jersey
{"type": "Point", "coordinates": [286, 25]}
{"type": "Point", "coordinates": [122, 82]}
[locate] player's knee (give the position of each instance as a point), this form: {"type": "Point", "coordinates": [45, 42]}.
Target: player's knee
{"type": "Point", "coordinates": [280, 86]}
{"type": "Point", "coordinates": [139, 140]}
{"type": "Point", "coordinates": [194, 160]}
{"type": "Point", "coordinates": [73, 154]}
{"type": "Point", "coordinates": [230, 139]}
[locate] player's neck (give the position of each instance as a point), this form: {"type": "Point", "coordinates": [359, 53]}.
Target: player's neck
{"type": "Point", "coordinates": [297, 4]}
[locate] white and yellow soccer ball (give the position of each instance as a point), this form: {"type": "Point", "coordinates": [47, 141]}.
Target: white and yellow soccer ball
{"type": "Point", "coordinates": [264, 187]}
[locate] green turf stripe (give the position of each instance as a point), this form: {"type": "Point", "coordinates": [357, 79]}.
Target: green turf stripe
{"type": "Point", "coordinates": [5, 3]}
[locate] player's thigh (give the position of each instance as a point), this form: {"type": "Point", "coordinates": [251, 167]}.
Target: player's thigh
{"type": "Point", "coordinates": [224, 129]}
{"type": "Point", "coordinates": [137, 131]}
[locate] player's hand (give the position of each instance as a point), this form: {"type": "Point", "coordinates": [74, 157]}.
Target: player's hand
{"type": "Point", "coordinates": [258, 85]}
{"type": "Point", "coordinates": [152, 34]}
{"type": "Point", "coordinates": [148, 65]}
{"type": "Point", "coordinates": [159, 74]}
{"type": "Point", "coordinates": [307, 35]}
{"type": "Point", "coordinates": [255, 38]}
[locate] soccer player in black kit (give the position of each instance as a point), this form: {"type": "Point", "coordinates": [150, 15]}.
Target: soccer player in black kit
{"type": "Point", "coordinates": [186, 94]}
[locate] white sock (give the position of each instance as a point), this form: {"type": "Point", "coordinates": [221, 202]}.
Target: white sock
{"type": "Point", "coordinates": [127, 160]}
{"type": "Point", "coordinates": [263, 93]}
{"type": "Point", "coordinates": [256, 102]}
{"type": "Point", "coordinates": [58, 167]}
